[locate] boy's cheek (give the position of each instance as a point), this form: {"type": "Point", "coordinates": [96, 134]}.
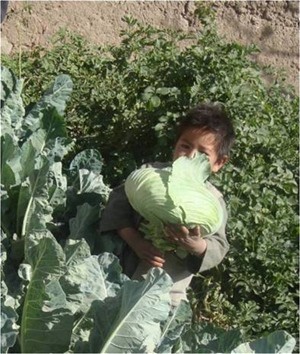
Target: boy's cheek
{"type": "Point", "coordinates": [178, 153]}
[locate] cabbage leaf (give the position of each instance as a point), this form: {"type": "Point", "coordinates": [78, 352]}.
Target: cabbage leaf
{"type": "Point", "coordinates": [174, 195]}
{"type": "Point", "coordinates": [131, 322]}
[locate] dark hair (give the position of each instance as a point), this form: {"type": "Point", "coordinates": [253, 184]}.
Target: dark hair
{"type": "Point", "coordinates": [210, 118]}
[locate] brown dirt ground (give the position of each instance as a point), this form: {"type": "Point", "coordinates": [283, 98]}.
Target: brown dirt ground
{"type": "Point", "coordinates": [272, 25]}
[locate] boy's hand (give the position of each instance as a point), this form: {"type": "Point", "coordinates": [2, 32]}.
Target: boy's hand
{"type": "Point", "coordinates": [149, 253]}
{"type": "Point", "coordinates": [189, 239]}
{"type": "Point", "coordinates": [144, 249]}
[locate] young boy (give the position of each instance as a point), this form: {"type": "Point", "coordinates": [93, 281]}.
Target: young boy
{"type": "Point", "coordinates": [207, 129]}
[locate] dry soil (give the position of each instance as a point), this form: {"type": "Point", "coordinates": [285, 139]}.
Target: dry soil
{"type": "Point", "coordinates": [272, 25]}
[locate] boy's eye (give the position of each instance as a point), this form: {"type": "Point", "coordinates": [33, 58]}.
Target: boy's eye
{"type": "Point", "coordinates": [185, 146]}
{"type": "Point", "coordinates": [203, 152]}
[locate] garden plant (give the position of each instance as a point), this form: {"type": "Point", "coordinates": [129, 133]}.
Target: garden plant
{"type": "Point", "coordinates": [76, 119]}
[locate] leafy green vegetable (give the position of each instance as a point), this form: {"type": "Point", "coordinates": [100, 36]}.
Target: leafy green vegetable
{"type": "Point", "coordinates": [207, 338]}
{"type": "Point", "coordinates": [34, 196]}
{"type": "Point", "coordinates": [177, 323]}
{"type": "Point", "coordinates": [46, 318]}
{"type": "Point", "coordinates": [9, 317]}
{"type": "Point", "coordinates": [174, 195]}
{"type": "Point", "coordinates": [134, 316]}
{"type": "Point", "coordinates": [31, 174]}
{"type": "Point", "coordinates": [276, 342]}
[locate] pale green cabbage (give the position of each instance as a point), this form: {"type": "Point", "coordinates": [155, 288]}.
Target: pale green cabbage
{"type": "Point", "coordinates": [174, 195]}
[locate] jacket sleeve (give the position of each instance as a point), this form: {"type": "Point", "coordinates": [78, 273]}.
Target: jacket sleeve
{"type": "Point", "coordinates": [118, 213]}
{"type": "Point", "coordinates": [217, 247]}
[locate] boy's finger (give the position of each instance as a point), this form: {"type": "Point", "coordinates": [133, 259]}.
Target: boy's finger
{"type": "Point", "coordinates": [155, 262]}
{"type": "Point", "coordinates": [173, 231]}
{"type": "Point", "coordinates": [177, 231]}
{"type": "Point", "coordinates": [158, 260]}
{"type": "Point", "coordinates": [195, 231]}
{"type": "Point", "coordinates": [153, 251]}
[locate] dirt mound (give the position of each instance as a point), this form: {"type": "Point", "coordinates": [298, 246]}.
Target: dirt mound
{"type": "Point", "coordinates": [272, 25]}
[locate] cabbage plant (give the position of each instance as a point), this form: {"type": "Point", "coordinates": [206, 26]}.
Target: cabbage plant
{"type": "Point", "coordinates": [177, 194]}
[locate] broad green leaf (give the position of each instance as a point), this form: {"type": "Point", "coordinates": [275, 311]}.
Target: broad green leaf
{"type": "Point", "coordinates": [27, 203]}
{"type": "Point", "coordinates": [38, 210]}
{"type": "Point", "coordinates": [28, 156]}
{"type": "Point", "coordinates": [86, 216]}
{"type": "Point", "coordinates": [12, 109]}
{"type": "Point", "coordinates": [154, 102]}
{"type": "Point", "coordinates": [26, 171]}
{"type": "Point", "coordinates": [76, 251]}
{"type": "Point", "coordinates": [57, 185]}
{"type": "Point", "coordinates": [89, 278]}
{"type": "Point", "coordinates": [50, 139]}
{"type": "Point", "coordinates": [87, 187]}
{"type": "Point", "coordinates": [24, 195]}
{"type": "Point", "coordinates": [112, 273]}
{"type": "Point", "coordinates": [89, 159]}
{"type": "Point", "coordinates": [178, 319]}
{"type": "Point", "coordinates": [53, 123]}
{"type": "Point", "coordinates": [13, 208]}
{"type": "Point", "coordinates": [90, 182]}
{"type": "Point", "coordinates": [56, 97]}
{"type": "Point", "coordinates": [131, 322]}
{"type": "Point", "coordinates": [276, 342]}
{"type": "Point", "coordinates": [9, 317]}
{"type": "Point", "coordinates": [207, 338]}
{"type": "Point", "coordinates": [9, 327]}
{"type": "Point", "coordinates": [163, 91]}
{"type": "Point", "coordinates": [57, 148]}
{"type": "Point", "coordinates": [84, 223]}
{"type": "Point", "coordinates": [10, 161]}
{"type": "Point", "coordinates": [46, 320]}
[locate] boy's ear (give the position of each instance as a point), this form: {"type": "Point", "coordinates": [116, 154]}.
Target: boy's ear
{"type": "Point", "coordinates": [220, 163]}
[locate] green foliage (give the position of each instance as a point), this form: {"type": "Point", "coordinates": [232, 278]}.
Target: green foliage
{"type": "Point", "coordinates": [126, 102]}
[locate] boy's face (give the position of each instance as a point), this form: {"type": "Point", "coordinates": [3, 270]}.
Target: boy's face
{"type": "Point", "coordinates": [194, 140]}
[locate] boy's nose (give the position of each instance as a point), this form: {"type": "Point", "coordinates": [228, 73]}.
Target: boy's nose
{"type": "Point", "coordinates": [191, 153]}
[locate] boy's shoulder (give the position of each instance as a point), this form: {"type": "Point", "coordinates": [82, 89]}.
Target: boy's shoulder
{"type": "Point", "coordinates": [214, 190]}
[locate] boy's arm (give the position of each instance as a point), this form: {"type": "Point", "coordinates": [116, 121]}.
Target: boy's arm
{"type": "Point", "coordinates": [204, 252]}
{"type": "Point", "coordinates": [143, 248]}
{"type": "Point", "coordinates": [217, 245]}
{"type": "Point", "coordinates": [118, 215]}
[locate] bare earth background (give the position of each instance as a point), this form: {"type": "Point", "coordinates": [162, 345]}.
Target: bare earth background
{"type": "Point", "coordinates": [272, 25]}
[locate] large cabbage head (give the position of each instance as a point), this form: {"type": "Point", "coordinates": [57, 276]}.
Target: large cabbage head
{"type": "Point", "coordinates": [178, 195]}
